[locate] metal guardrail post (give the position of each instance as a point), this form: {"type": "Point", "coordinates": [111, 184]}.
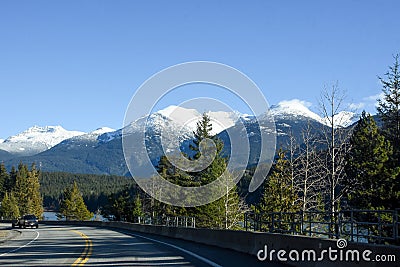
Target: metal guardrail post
{"type": "Point", "coordinates": [339, 225]}
{"type": "Point", "coordinates": [272, 222]}
{"type": "Point", "coordinates": [245, 221]}
{"type": "Point", "coordinates": [351, 226]}
{"type": "Point", "coordinates": [301, 222]}
{"type": "Point", "coordinates": [379, 227]}
{"type": "Point", "coordinates": [395, 225]}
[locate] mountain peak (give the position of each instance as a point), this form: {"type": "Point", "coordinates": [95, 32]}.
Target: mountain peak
{"type": "Point", "coordinates": [176, 111]}
{"type": "Point", "coordinates": [187, 117]}
{"type": "Point", "coordinates": [37, 139]}
{"type": "Point", "coordinates": [42, 129]}
{"type": "Point", "coordinates": [102, 130]}
{"type": "Point", "coordinates": [294, 107]}
{"type": "Point", "coordinates": [298, 108]}
{"type": "Point", "coordinates": [341, 119]}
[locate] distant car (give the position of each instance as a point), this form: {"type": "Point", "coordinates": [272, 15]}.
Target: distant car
{"type": "Point", "coordinates": [28, 220]}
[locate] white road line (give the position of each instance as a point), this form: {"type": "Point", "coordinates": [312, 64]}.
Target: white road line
{"type": "Point", "coordinates": [27, 244]}
{"type": "Point", "coordinates": [211, 263]}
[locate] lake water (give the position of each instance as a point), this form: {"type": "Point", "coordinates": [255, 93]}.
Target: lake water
{"type": "Point", "coordinates": [51, 216]}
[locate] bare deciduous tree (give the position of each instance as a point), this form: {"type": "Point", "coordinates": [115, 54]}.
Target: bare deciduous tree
{"type": "Point", "coordinates": [234, 206]}
{"type": "Point", "coordinates": [306, 171]}
{"type": "Point", "coordinates": [310, 182]}
{"type": "Point", "coordinates": [336, 142]}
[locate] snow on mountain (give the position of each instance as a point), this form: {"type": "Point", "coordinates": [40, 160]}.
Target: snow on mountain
{"type": "Point", "coordinates": [109, 136]}
{"type": "Point", "coordinates": [288, 109]}
{"type": "Point", "coordinates": [93, 137]}
{"type": "Point", "coordinates": [102, 130]}
{"type": "Point", "coordinates": [37, 139]}
{"type": "Point", "coordinates": [295, 108]}
{"type": "Point", "coordinates": [173, 119]}
{"type": "Point", "coordinates": [188, 118]}
{"type": "Point", "coordinates": [342, 119]}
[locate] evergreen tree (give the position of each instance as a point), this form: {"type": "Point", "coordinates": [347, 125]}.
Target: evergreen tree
{"type": "Point", "coordinates": [27, 191]}
{"type": "Point", "coordinates": [118, 206]}
{"type": "Point", "coordinates": [21, 189]}
{"type": "Point", "coordinates": [137, 209]}
{"type": "Point", "coordinates": [222, 213]}
{"type": "Point", "coordinates": [72, 205]}
{"type": "Point", "coordinates": [279, 194]}
{"type": "Point", "coordinates": [11, 180]}
{"type": "Point", "coordinates": [179, 177]}
{"type": "Point", "coordinates": [174, 174]}
{"type": "Point", "coordinates": [36, 200]}
{"type": "Point", "coordinates": [211, 215]}
{"type": "Point", "coordinates": [371, 177]}
{"type": "Point", "coordinates": [3, 180]}
{"type": "Point", "coordinates": [9, 208]}
{"type": "Point", "coordinates": [203, 131]}
{"type": "Point", "coordinates": [389, 108]}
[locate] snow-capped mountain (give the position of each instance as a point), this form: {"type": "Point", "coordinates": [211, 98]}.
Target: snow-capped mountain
{"type": "Point", "coordinates": [38, 139]}
{"type": "Point", "coordinates": [91, 136]}
{"type": "Point", "coordinates": [100, 151]}
{"type": "Point", "coordinates": [293, 108]}
{"type": "Point", "coordinates": [342, 119]}
{"type": "Point", "coordinates": [179, 119]}
{"type": "Point", "coordinates": [188, 118]}
{"type": "Point", "coordinates": [298, 109]}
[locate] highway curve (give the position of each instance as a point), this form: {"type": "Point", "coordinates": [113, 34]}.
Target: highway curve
{"type": "Point", "coordinates": [91, 246]}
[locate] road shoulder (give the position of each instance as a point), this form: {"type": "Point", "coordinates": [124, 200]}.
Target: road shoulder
{"type": "Point", "coordinates": [6, 233]}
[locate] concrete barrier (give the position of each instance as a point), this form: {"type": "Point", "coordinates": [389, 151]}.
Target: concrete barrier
{"type": "Point", "coordinates": [253, 242]}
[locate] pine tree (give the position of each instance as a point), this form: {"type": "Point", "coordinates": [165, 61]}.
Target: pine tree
{"type": "Point", "coordinates": [389, 108]}
{"type": "Point", "coordinates": [36, 200]}
{"type": "Point", "coordinates": [279, 194]}
{"type": "Point", "coordinates": [279, 197]}
{"type": "Point", "coordinates": [371, 177]}
{"type": "Point", "coordinates": [210, 215]}
{"type": "Point", "coordinates": [11, 180]}
{"type": "Point", "coordinates": [3, 180]}
{"type": "Point", "coordinates": [203, 131]}
{"type": "Point", "coordinates": [117, 207]}
{"type": "Point", "coordinates": [9, 208]}
{"type": "Point", "coordinates": [137, 209]}
{"type": "Point", "coordinates": [176, 176]}
{"type": "Point", "coordinates": [202, 148]}
{"type": "Point", "coordinates": [27, 191]}
{"type": "Point", "coordinates": [72, 205]}
{"type": "Point", "coordinates": [21, 189]}
{"type": "Point", "coordinates": [222, 213]}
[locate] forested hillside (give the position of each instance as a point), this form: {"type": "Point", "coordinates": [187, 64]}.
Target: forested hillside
{"type": "Point", "coordinates": [94, 188]}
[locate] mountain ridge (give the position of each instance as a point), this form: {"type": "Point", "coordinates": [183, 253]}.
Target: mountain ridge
{"type": "Point", "coordinates": [100, 151]}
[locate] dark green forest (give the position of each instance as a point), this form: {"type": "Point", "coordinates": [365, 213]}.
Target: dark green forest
{"type": "Point", "coordinates": [95, 189]}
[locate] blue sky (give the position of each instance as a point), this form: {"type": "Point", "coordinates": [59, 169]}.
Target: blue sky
{"type": "Point", "coordinates": [78, 63]}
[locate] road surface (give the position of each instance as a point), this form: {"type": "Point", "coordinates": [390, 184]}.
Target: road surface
{"type": "Point", "coordinates": [91, 246]}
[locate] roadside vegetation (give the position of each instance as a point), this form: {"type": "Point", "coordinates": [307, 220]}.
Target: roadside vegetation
{"type": "Point", "coordinates": [331, 169]}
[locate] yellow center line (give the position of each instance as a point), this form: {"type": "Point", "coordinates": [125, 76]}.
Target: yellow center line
{"type": "Point", "coordinates": [84, 257]}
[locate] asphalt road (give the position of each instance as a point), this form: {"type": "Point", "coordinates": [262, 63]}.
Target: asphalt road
{"type": "Point", "coordinates": [88, 246]}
